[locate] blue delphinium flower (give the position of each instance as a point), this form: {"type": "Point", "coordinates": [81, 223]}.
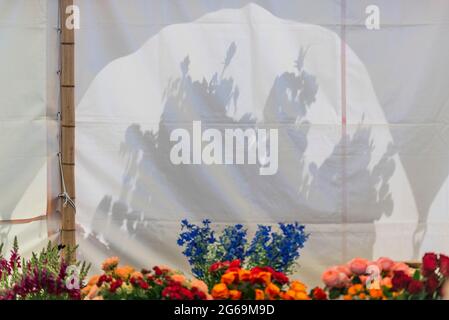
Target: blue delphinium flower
{"type": "Point", "coordinates": [231, 243]}
{"type": "Point", "coordinates": [277, 250]}
{"type": "Point", "coordinates": [256, 252]}
{"type": "Point", "coordinates": [196, 240]}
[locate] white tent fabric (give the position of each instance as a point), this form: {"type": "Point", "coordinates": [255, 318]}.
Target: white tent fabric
{"type": "Point", "coordinates": [361, 116]}
{"type": "Point", "coordinates": [28, 83]}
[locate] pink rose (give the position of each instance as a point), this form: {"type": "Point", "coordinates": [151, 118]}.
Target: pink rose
{"type": "Point", "coordinates": [344, 269]}
{"type": "Point", "coordinates": [401, 266]}
{"type": "Point", "coordinates": [334, 279]}
{"type": "Point", "coordinates": [343, 280]}
{"type": "Point", "coordinates": [358, 265]}
{"type": "Point", "coordinates": [385, 264]}
{"type": "Point", "coordinates": [331, 278]}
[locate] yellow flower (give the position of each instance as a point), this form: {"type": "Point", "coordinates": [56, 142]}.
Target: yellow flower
{"type": "Point", "coordinates": [124, 272]}
{"type": "Point", "coordinates": [110, 263]}
{"type": "Point", "coordinates": [220, 291]}
{"type": "Point", "coordinates": [229, 277]}
{"type": "Point", "coordinates": [259, 294]}
{"type": "Point", "coordinates": [126, 287]}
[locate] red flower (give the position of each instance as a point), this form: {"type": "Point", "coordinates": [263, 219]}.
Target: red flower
{"type": "Point", "coordinates": [143, 284]}
{"type": "Point", "coordinates": [215, 267]}
{"type": "Point", "coordinates": [103, 278]}
{"type": "Point", "coordinates": [157, 271]}
{"type": "Point", "coordinates": [280, 278]}
{"type": "Point", "coordinates": [319, 294]}
{"type": "Point", "coordinates": [400, 280]}
{"type": "Point", "coordinates": [235, 264]}
{"type": "Point", "coordinates": [115, 285]}
{"type": "Point", "coordinates": [444, 265]}
{"type": "Point", "coordinates": [432, 284]}
{"type": "Point", "coordinates": [415, 287]}
{"type": "Point", "coordinates": [429, 263]}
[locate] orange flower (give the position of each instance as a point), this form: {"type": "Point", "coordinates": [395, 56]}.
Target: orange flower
{"type": "Point", "coordinates": [229, 277]}
{"type": "Point", "coordinates": [93, 280]}
{"type": "Point", "coordinates": [301, 296]}
{"type": "Point", "coordinates": [287, 295]}
{"type": "Point", "coordinates": [235, 294]}
{"type": "Point", "coordinates": [124, 272]}
{"type": "Point", "coordinates": [200, 285]}
{"type": "Point", "coordinates": [375, 293]}
{"type": "Point", "coordinates": [85, 291]}
{"type": "Point", "coordinates": [272, 290]}
{"type": "Point", "coordinates": [136, 275]}
{"type": "Point", "coordinates": [110, 263]}
{"type": "Point", "coordinates": [347, 297]}
{"type": "Point", "coordinates": [355, 289]}
{"type": "Point", "coordinates": [244, 275]}
{"type": "Point", "coordinates": [93, 292]}
{"type": "Point", "coordinates": [362, 296]}
{"type": "Point", "coordinates": [180, 278]}
{"type": "Point", "coordinates": [259, 294]}
{"type": "Point", "coordinates": [220, 291]}
{"type": "Point", "coordinates": [298, 286]}
{"type": "Point", "coordinates": [264, 276]}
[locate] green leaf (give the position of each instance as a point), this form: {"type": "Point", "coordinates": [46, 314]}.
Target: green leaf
{"type": "Point", "coordinates": [334, 293]}
{"type": "Point", "coordinates": [417, 275]}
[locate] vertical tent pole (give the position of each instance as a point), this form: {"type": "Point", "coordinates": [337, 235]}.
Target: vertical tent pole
{"type": "Point", "coordinates": [67, 82]}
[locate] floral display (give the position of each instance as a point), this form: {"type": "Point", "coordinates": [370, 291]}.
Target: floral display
{"type": "Point", "coordinates": [204, 246]}
{"type": "Point", "coordinates": [386, 279]}
{"type": "Point", "coordinates": [258, 283]}
{"type": "Point", "coordinates": [43, 277]}
{"type": "Point", "coordinates": [46, 276]}
{"type": "Point", "coordinates": [126, 283]}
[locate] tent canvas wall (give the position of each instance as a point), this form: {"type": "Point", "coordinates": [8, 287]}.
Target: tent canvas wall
{"type": "Point", "coordinates": [361, 117]}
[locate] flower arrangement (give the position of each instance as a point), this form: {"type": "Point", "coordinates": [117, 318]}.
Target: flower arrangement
{"type": "Point", "coordinates": [125, 283]}
{"type": "Point", "coordinates": [426, 283]}
{"type": "Point", "coordinates": [361, 279]}
{"type": "Point", "coordinates": [46, 276]}
{"type": "Point", "coordinates": [385, 279]}
{"type": "Point", "coordinates": [268, 248]}
{"type": "Point", "coordinates": [258, 283]}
